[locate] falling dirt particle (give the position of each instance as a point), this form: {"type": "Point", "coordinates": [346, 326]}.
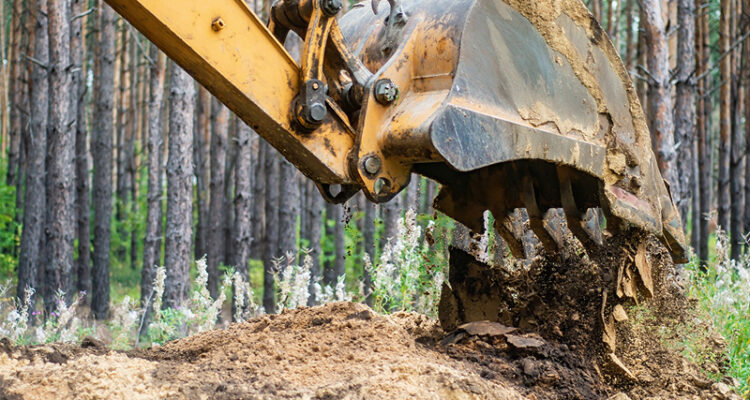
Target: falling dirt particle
{"type": "Point", "coordinates": [619, 368]}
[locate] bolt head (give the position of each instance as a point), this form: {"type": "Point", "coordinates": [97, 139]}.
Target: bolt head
{"type": "Point", "coordinates": [317, 113]}
{"type": "Point", "coordinates": [217, 24]}
{"type": "Point", "coordinates": [372, 165]}
{"type": "Point", "coordinates": [386, 92]}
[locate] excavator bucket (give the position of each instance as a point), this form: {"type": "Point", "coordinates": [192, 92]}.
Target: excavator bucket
{"type": "Point", "coordinates": [509, 104]}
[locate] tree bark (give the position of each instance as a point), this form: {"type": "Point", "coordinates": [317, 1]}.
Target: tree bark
{"type": "Point", "coordinates": [685, 103]}
{"type": "Point", "coordinates": [271, 234]}
{"type": "Point", "coordinates": [242, 236]}
{"type": "Point", "coordinates": [18, 100]}
{"type": "Point", "coordinates": [737, 156]}
{"type": "Point", "coordinates": [704, 149]}
{"type": "Point", "coordinates": [60, 220]}
{"type": "Point", "coordinates": [725, 117]}
{"type": "Point", "coordinates": [83, 204]}
{"type": "Point", "coordinates": [102, 147]}
{"type": "Point", "coordinates": [228, 249]}
{"type": "Point", "coordinates": [216, 238]}
{"type": "Point", "coordinates": [257, 217]}
{"type": "Point", "coordinates": [155, 145]}
{"type": "Point", "coordinates": [659, 96]}
{"type": "Point", "coordinates": [289, 208]}
{"type": "Point", "coordinates": [314, 211]}
{"type": "Point", "coordinates": [177, 255]}
{"type": "Point", "coordinates": [201, 154]}
{"type": "Point", "coordinates": [35, 201]}
{"type": "Point", "coordinates": [368, 246]}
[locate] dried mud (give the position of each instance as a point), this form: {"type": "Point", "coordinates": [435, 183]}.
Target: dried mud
{"type": "Point", "coordinates": [546, 344]}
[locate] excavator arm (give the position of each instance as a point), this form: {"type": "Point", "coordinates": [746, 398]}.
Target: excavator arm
{"type": "Point", "coordinates": [506, 103]}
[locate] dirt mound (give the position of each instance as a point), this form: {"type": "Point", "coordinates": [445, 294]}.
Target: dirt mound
{"type": "Point", "coordinates": [545, 341]}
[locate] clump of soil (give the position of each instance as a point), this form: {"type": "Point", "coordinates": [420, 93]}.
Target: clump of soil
{"type": "Point", "coordinates": [544, 341]}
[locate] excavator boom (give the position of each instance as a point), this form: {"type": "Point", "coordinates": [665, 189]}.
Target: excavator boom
{"type": "Point", "coordinates": [508, 104]}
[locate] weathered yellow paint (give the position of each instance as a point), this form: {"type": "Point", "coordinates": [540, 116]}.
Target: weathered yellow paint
{"type": "Point", "coordinates": [246, 68]}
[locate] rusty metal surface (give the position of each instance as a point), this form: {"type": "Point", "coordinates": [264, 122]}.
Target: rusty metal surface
{"type": "Point", "coordinates": [497, 93]}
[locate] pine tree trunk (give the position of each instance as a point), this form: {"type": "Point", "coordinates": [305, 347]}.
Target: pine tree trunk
{"type": "Point", "coordinates": [685, 103]}
{"type": "Point", "coordinates": [339, 237]}
{"type": "Point", "coordinates": [271, 233]}
{"type": "Point", "coordinates": [18, 48]}
{"type": "Point", "coordinates": [289, 208]}
{"type": "Point", "coordinates": [243, 235]}
{"type": "Point", "coordinates": [737, 156]}
{"type": "Point", "coordinates": [659, 94]}
{"type": "Point", "coordinates": [314, 211]}
{"type": "Point", "coordinates": [154, 146]}
{"type": "Point", "coordinates": [391, 214]}
{"type": "Point", "coordinates": [228, 206]}
{"type": "Point", "coordinates": [122, 178]}
{"type": "Point", "coordinates": [257, 217]}
{"type": "Point", "coordinates": [725, 117]}
{"type": "Point", "coordinates": [704, 164]}
{"type": "Point", "coordinates": [215, 238]}
{"type": "Point", "coordinates": [83, 203]}
{"type": "Point", "coordinates": [102, 147]}
{"type": "Point", "coordinates": [131, 163]}
{"type": "Point", "coordinates": [177, 245]}
{"type": "Point", "coordinates": [35, 201]}
{"type": "Point", "coordinates": [368, 246]}
{"type": "Point", "coordinates": [201, 154]}
{"type": "Point", "coordinates": [60, 220]}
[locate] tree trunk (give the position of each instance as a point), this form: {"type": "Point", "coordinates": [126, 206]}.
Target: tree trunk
{"type": "Point", "coordinates": [155, 145]}
{"type": "Point", "coordinates": [271, 236]}
{"type": "Point", "coordinates": [314, 211]}
{"type": "Point", "coordinates": [131, 156]}
{"type": "Point", "coordinates": [201, 154]}
{"type": "Point", "coordinates": [725, 117]}
{"type": "Point", "coordinates": [737, 157]}
{"type": "Point", "coordinates": [257, 217]}
{"type": "Point", "coordinates": [18, 49]}
{"type": "Point", "coordinates": [368, 246]}
{"type": "Point", "coordinates": [685, 103]}
{"type": "Point", "coordinates": [216, 239]}
{"type": "Point", "coordinates": [35, 201]}
{"type": "Point", "coordinates": [60, 224]}
{"type": "Point", "coordinates": [596, 9]}
{"type": "Point", "coordinates": [177, 255]}
{"type": "Point", "coordinates": [243, 235]}
{"type": "Point", "coordinates": [659, 96]}
{"type": "Point", "coordinates": [228, 249]}
{"type": "Point", "coordinates": [391, 214]}
{"type": "Point", "coordinates": [704, 164]}
{"type": "Point", "coordinates": [83, 204]}
{"type": "Point", "coordinates": [289, 208]}
{"type": "Point", "coordinates": [339, 237]}
{"type": "Point", "coordinates": [102, 147]}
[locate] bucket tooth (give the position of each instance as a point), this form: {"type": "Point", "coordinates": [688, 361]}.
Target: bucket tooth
{"type": "Point", "coordinates": [573, 214]}
{"type": "Point", "coordinates": [504, 227]}
{"type": "Point", "coordinates": [536, 216]}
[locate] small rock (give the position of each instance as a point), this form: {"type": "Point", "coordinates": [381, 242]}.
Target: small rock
{"type": "Point", "coordinates": [723, 388]}
{"type": "Point", "coordinates": [524, 343]}
{"type": "Point", "coordinates": [619, 396]}
{"type": "Point", "coordinates": [529, 367]}
{"type": "Point", "coordinates": [486, 328]}
{"type": "Point", "coordinates": [618, 367]}
{"type": "Point", "coordinates": [620, 314]}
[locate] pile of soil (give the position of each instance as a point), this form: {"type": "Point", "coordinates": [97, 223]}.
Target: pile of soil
{"type": "Point", "coordinates": [544, 342]}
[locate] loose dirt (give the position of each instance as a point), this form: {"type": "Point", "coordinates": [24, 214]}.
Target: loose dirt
{"type": "Point", "coordinates": [544, 342]}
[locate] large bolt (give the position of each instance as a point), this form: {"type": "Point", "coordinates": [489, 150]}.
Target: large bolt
{"type": "Point", "coordinates": [332, 7]}
{"type": "Point", "coordinates": [372, 165]}
{"type": "Point", "coordinates": [386, 92]}
{"type": "Point", "coordinates": [217, 24]}
{"type": "Point", "coordinates": [316, 113]}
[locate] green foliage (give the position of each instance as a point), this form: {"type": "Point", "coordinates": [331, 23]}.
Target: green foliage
{"type": "Point", "coordinates": [722, 293]}
{"type": "Point", "coordinates": [10, 230]}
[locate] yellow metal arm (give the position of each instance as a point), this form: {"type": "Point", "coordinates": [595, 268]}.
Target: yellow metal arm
{"type": "Point", "coordinates": [227, 49]}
